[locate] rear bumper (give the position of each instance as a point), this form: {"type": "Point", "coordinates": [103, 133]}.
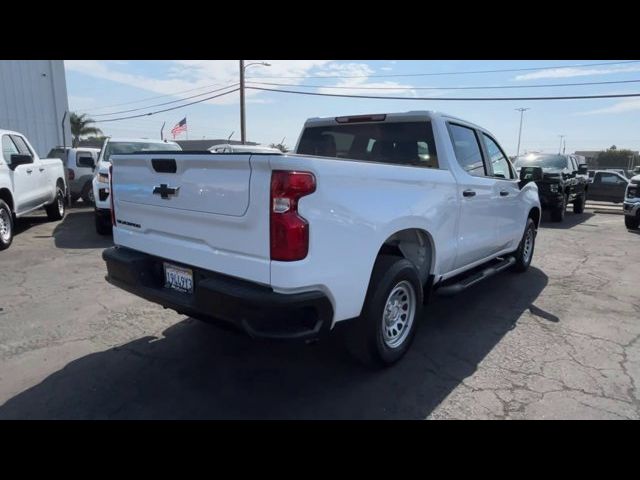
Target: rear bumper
{"type": "Point", "coordinates": [256, 309]}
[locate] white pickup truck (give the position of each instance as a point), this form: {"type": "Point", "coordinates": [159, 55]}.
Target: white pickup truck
{"type": "Point", "coordinates": [27, 182]}
{"type": "Point", "coordinates": [370, 216]}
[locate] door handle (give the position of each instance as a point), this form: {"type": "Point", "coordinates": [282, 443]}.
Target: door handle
{"type": "Point", "coordinates": [503, 193]}
{"type": "Point", "coordinates": [41, 169]}
{"type": "Point", "coordinates": [29, 170]}
{"type": "Point", "coordinates": [469, 193]}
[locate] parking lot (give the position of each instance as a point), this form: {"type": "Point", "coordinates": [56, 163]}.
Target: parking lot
{"type": "Point", "coordinates": [560, 341]}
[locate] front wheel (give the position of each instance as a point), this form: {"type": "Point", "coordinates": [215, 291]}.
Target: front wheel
{"type": "Point", "coordinates": [384, 331]}
{"type": "Point", "coordinates": [55, 210]}
{"type": "Point", "coordinates": [631, 222]}
{"type": "Point", "coordinates": [557, 214]}
{"type": "Point", "coordinates": [103, 227]}
{"type": "Point", "coordinates": [524, 254]}
{"type": "Point", "coordinates": [578, 204]}
{"type": "Point", "coordinates": [87, 194]}
{"type": "Point", "coordinates": [6, 226]}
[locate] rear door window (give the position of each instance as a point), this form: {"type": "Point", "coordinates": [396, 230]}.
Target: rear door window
{"type": "Point", "coordinates": [467, 149]}
{"type": "Point", "coordinates": [402, 143]}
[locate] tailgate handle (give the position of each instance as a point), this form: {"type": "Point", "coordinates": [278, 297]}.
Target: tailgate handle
{"type": "Point", "coordinates": [164, 165]}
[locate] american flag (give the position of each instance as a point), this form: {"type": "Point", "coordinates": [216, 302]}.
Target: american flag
{"type": "Point", "coordinates": [180, 127]}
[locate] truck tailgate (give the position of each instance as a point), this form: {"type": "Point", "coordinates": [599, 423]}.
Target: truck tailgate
{"type": "Point", "coordinates": [206, 210]}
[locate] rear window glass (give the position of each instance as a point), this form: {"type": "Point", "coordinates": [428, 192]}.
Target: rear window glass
{"type": "Point", "coordinates": [119, 148]}
{"type": "Point", "coordinates": [406, 143]}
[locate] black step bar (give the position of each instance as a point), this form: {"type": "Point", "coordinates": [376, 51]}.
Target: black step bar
{"type": "Point", "coordinates": [472, 279]}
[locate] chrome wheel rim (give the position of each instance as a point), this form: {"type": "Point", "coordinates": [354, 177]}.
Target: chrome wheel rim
{"type": "Point", "coordinates": [60, 204]}
{"type": "Point", "coordinates": [527, 248]}
{"type": "Point", "coordinates": [5, 225]}
{"type": "Point", "coordinates": [398, 315]}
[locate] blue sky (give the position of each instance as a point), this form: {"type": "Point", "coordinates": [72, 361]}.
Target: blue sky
{"type": "Point", "coordinates": [98, 87]}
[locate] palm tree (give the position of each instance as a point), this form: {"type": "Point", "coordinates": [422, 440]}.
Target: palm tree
{"type": "Point", "coordinates": [81, 126]}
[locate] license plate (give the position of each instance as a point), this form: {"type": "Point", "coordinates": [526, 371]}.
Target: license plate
{"type": "Point", "coordinates": [178, 278]}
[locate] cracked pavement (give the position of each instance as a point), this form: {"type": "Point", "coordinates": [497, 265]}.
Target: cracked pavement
{"type": "Point", "coordinates": [561, 341]}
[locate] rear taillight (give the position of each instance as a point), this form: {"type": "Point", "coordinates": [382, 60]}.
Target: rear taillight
{"type": "Point", "coordinates": [71, 174]}
{"type": "Point", "coordinates": [289, 231]}
{"type": "Point", "coordinates": [113, 212]}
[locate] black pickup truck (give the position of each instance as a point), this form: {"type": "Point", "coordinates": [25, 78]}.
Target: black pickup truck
{"type": "Point", "coordinates": [563, 181]}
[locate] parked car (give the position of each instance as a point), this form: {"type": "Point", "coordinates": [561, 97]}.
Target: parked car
{"type": "Point", "coordinates": [27, 182]}
{"type": "Point", "coordinates": [607, 186]}
{"type": "Point", "coordinates": [631, 204]}
{"type": "Point", "coordinates": [563, 182]}
{"type": "Point", "coordinates": [80, 163]}
{"type": "Point", "coordinates": [230, 148]}
{"type": "Point", "coordinates": [620, 171]}
{"type": "Point", "coordinates": [100, 182]}
{"type": "Point", "coordinates": [356, 229]}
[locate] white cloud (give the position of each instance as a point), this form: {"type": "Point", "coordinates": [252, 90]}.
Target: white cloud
{"type": "Point", "coordinates": [194, 74]}
{"type": "Point", "coordinates": [575, 72]}
{"type": "Point", "coordinates": [627, 105]}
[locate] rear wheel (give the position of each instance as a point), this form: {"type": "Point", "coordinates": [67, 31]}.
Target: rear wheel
{"type": "Point", "coordinates": [55, 210]}
{"type": "Point", "coordinates": [631, 222]}
{"type": "Point", "coordinates": [524, 254]}
{"type": "Point", "coordinates": [385, 329]}
{"type": "Point", "coordinates": [6, 226]}
{"type": "Point", "coordinates": [87, 193]}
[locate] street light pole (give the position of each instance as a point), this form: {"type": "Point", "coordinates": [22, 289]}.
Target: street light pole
{"type": "Point", "coordinates": [521, 110]}
{"type": "Point", "coordinates": [242, 112]}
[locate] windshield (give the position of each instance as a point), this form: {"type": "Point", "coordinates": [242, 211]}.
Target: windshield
{"type": "Point", "coordinates": [57, 153]}
{"type": "Point", "coordinates": [544, 161]}
{"type": "Point", "coordinates": [116, 148]}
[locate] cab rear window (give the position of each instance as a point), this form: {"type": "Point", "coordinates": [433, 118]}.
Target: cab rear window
{"type": "Point", "coordinates": [406, 143]}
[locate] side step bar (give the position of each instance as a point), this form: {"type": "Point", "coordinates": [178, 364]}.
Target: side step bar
{"type": "Point", "coordinates": [467, 282]}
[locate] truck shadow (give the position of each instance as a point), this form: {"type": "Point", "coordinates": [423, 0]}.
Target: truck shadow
{"type": "Point", "coordinates": [570, 220]}
{"type": "Point", "coordinates": [197, 371]}
{"type": "Point", "coordinates": [77, 231]}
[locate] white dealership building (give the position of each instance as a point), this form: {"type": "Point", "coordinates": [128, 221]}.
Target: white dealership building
{"type": "Point", "coordinates": [33, 101]}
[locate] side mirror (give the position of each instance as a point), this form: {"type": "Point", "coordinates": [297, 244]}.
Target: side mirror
{"type": "Point", "coordinates": [19, 159]}
{"type": "Point", "coordinates": [87, 162]}
{"type": "Point", "coordinates": [530, 174]}
{"type": "Point", "coordinates": [583, 169]}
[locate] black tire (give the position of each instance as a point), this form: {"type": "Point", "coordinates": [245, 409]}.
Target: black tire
{"type": "Point", "coordinates": [365, 338]}
{"type": "Point", "coordinates": [557, 214]}
{"type": "Point", "coordinates": [6, 226]}
{"type": "Point", "coordinates": [631, 222]}
{"type": "Point", "coordinates": [523, 255]}
{"type": "Point", "coordinates": [102, 226]}
{"type": "Point", "coordinates": [578, 204]}
{"type": "Point", "coordinates": [56, 209]}
{"type": "Point", "coordinates": [87, 194]}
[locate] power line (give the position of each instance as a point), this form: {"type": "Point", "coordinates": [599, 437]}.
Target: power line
{"type": "Point", "coordinates": [447, 88]}
{"type": "Point", "coordinates": [454, 73]}
{"type": "Point", "coordinates": [158, 96]}
{"type": "Point", "coordinates": [165, 103]}
{"type": "Point", "coordinates": [380, 97]}
{"type": "Point", "coordinates": [169, 109]}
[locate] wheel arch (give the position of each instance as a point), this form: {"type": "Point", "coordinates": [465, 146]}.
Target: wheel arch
{"type": "Point", "coordinates": [535, 215]}
{"type": "Point", "coordinates": [414, 244]}
{"type": "Point", "coordinates": [5, 194]}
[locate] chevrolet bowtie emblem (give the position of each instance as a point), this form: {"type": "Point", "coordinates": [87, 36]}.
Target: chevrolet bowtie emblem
{"type": "Point", "coordinates": [164, 190]}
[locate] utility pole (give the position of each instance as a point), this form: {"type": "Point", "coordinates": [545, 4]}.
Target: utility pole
{"type": "Point", "coordinates": [521, 110]}
{"type": "Point", "coordinates": [561, 139]}
{"type": "Point", "coordinates": [242, 114]}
